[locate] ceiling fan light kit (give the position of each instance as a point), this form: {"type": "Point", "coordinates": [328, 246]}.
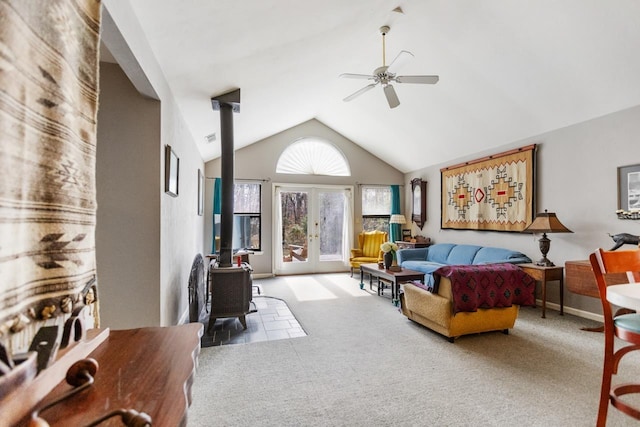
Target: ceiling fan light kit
{"type": "Point", "coordinates": [385, 75]}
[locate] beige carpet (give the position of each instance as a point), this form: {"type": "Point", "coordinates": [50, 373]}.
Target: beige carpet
{"type": "Point", "coordinates": [364, 364]}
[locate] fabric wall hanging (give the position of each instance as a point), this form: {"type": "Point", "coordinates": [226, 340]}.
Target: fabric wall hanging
{"type": "Point", "coordinates": [48, 113]}
{"type": "Point", "coordinates": [492, 193]}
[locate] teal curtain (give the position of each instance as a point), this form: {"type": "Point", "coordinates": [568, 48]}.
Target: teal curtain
{"type": "Point", "coordinates": [217, 209]}
{"type": "Point", "coordinates": [395, 230]}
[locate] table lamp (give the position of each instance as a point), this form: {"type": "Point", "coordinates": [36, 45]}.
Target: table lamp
{"type": "Point", "coordinates": [544, 223]}
{"type": "Point", "coordinates": [397, 219]}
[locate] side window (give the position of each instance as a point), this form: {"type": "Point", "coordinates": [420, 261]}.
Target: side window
{"type": "Point", "coordinates": [247, 216]}
{"type": "Point", "coordinates": [376, 208]}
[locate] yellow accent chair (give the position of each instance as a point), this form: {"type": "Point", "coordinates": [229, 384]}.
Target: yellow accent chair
{"type": "Point", "coordinates": [369, 249]}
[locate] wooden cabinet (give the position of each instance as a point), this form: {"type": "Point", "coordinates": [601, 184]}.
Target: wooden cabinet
{"type": "Point", "coordinates": [580, 280]}
{"type": "Point", "coordinates": [149, 370]}
{"type": "Point", "coordinates": [411, 245]}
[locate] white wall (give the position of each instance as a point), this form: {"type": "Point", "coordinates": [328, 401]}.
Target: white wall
{"type": "Point", "coordinates": [128, 218]}
{"type": "Point", "coordinates": [576, 179]}
{"type": "Point", "coordinates": [180, 229]}
{"type": "Point", "coordinates": [259, 161]}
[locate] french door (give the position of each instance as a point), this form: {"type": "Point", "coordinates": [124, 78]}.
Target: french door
{"type": "Point", "coordinates": [312, 228]}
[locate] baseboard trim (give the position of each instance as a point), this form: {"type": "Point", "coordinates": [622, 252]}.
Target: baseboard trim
{"type": "Point", "coordinates": [262, 275]}
{"type": "Point", "coordinates": [573, 311]}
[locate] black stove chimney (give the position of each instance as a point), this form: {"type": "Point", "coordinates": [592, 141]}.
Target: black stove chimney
{"type": "Point", "coordinates": [227, 104]}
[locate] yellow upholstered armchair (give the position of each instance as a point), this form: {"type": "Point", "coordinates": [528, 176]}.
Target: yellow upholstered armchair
{"type": "Point", "coordinates": [369, 250]}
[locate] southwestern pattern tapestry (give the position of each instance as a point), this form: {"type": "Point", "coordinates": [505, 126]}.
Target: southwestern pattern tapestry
{"type": "Point", "coordinates": [48, 113]}
{"type": "Point", "coordinates": [488, 286]}
{"type": "Point", "coordinates": [492, 193]}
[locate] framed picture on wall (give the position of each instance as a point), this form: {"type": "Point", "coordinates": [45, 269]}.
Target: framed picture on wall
{"type": "Point", "coordinates": [171, 171]}
{"type": "Point", "coordinates": [629, 188]}
{"type": "Point", "coordinates": [200, 193]}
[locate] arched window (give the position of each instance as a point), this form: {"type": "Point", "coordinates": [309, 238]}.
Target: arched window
{"type": "Point", "coordinates": [313, 156]}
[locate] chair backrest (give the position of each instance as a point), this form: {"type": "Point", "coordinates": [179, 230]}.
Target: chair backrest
{"type": "Point", "coordinates": [370, 242]}
{"type": "Point", "coordinates": [605, 262]}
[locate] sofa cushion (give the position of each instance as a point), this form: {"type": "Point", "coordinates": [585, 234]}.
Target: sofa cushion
{"type": "Point", "coordinates": [462, 254]}
{"type": "Point", "coordinates": [419, 254]}
{"type": "Point", "coordinates": [425, 267]}
{"type": "Point", "coordinates": [489, 255]}
{"type": "Point", "coordinates": [440, 252]}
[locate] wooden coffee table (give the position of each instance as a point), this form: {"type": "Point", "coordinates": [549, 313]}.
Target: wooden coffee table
{"type": "Point", "coordinates": [395, 277]}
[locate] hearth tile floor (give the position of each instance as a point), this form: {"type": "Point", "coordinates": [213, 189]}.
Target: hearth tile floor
{"type": "Point", "coordinates": [273, 320]}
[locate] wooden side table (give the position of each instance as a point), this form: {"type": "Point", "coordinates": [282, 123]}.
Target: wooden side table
{"type": "Point", "coordinates": [412, 245]}
{"type": "Point", "coordinates": [544, 275]}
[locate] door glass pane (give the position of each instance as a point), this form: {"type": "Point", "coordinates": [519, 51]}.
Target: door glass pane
{"type": "Point", "coordinates": [294, 225]}
{"type": "Point", "coordinates": [331, 224]}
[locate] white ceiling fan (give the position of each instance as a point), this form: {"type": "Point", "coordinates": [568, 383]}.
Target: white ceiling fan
{"type": "Point", "coordinates": [386, 74]}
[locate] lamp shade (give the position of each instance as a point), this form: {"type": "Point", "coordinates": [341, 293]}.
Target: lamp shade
{"type": "Point", "coordinates": [397, 219]}
{"type": "Point", "coordinates": [546, 222]}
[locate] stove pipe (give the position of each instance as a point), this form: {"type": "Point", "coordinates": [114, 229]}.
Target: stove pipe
{"type": "Point", "coordinates": [227, 104]}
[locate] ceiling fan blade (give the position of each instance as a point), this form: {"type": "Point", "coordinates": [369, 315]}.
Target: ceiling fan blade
{"type": "Point", "coordinates": [418, 79]}
{"type": "Point", "coordinates": [357, 76]}
{"type": "Point", "coordinates": [403, 57]}
{"type": "Point", "coordinates": [359, 92]}
{"type": "Point", "coordinates": [392, 98]}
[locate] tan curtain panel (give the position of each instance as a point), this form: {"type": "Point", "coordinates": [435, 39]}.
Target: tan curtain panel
{"type": "Point", "coordinates": [48, 111]}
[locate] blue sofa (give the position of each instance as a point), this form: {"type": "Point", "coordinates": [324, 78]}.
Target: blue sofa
{"type": "Point", "coordinates": [434, 306]}
{"type": "Point", "coordinates": [427, 260]}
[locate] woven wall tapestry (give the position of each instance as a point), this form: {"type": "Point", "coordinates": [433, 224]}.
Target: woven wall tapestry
{"type": "Point", "coordinates": [48, 113]}
{"type": "Point", "coordinates": [492, 193]}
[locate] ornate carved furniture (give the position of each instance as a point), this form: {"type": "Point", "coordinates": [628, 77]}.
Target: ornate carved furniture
{"type": "Point", "coordinates": [626, 327]}
{"type": "Point", "coordinates": [369, 249]}
{"type": "Point", "coordinates": [149, 370]}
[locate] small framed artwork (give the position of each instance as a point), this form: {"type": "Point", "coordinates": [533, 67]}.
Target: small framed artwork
{"type": "Point", "coordinates": [406, 235]}
{"type": "Point", "coordinates": [171, 171]}
{"type": "Point", "coordinates": [200, 193]}
{"type": "Point", "coordinates": [629, 188]}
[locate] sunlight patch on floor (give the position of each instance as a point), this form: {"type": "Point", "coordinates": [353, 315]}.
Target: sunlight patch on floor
{"type": "Point", "coordinates": [346, 284]}
{"type": "Point", "coordinates": [305, 289]}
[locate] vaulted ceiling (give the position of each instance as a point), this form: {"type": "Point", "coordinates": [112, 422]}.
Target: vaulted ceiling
{"type": "Point", "coordinates": [509, 69]}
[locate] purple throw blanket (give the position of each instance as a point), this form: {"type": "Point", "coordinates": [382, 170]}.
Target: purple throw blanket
{"type": "Point", "coordinates": [488, 286]}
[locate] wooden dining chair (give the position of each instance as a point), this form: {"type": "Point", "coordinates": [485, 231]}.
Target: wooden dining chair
{"type": "Point", "coordinates": [625, 326]}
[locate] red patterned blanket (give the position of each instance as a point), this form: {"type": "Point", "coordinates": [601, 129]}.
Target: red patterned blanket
{"type": "Point", "coordinates": [488, 286]}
